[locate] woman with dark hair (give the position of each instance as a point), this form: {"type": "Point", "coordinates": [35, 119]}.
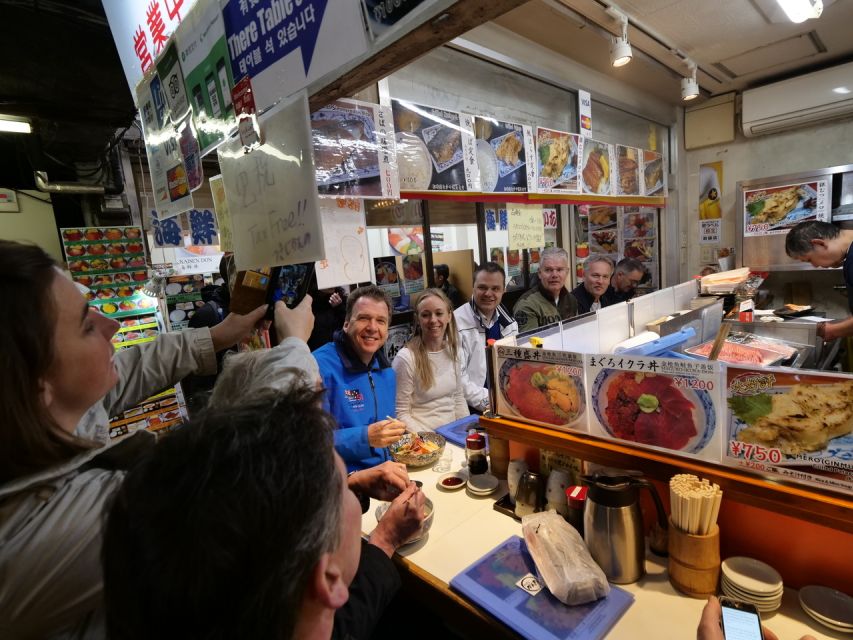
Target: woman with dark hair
{"type": "Point", "coordinates": [60, 380]}
{"type": "Point", "coordinates": [429, 383]}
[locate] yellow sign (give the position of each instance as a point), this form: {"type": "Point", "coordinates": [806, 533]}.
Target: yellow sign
{"type": "Point", "coordinates": [526, 227]}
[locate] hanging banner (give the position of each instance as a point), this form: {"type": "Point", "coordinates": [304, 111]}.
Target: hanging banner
{"type": "Point", "coordinates": [169, 182]}
{"type": "Point", "coordinates": [525, 226]}
{"type": "Point", "coordinates": [281, 43]}
{"type": "Point", "coordinates": [223, 214]}
{"type": "Point", "coordinates": [549, 217]}
{"type": "Point", "coordinates": [203, 55]}
{"type": "Point", "coordinates": [345, 239]}
{"type": "Point", "coordinates": [271, 192]}
{"type": "Point", "coordinates": [167, 231]}
{"type": "Point", "coordinates": [774, 210]}
{"type": "Point", "coordinates": [202, 227]}
{"type": "Point", "coordinates": [172, 79]}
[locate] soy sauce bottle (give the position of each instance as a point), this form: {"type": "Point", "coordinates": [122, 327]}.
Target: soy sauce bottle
{"type": "Point", "coordinates": [475, 453]}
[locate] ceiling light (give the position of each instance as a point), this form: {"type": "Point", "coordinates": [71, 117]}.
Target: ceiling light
{"type": "Point", "coordinates": [689, 86]}
{"type": "Point", "coordinates": [14, 124]}
{"type": "Point", "coordinates": [841, 90]}
{"type": "Point", "coordinates": [801, 10]}
{"type": "Point", "coordinates": [620, 48]}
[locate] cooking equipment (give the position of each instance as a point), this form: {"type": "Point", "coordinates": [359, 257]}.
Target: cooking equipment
{"type": "Point", "coordinates": [613, 525]}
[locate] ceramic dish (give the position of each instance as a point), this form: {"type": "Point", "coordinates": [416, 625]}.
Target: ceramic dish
{"type": "Point", "coordinates": [751, 575]}
{"type": "Point", "coordinates": [482, 484]}
{"type": "Point", "coordinates": [429, 516]}
{"type": "Point", "coordinates": [829, 605]}
{"type": "Point", "coordinates": [452, 481]}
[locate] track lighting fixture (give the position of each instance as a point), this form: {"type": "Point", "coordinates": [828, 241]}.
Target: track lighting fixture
{"type": "Point", "coordinates": [689, 86]}
{"type": "Point", "coordinates": [620, 48]}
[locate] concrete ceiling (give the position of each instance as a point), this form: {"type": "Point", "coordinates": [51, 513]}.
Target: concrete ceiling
{"type": "Point", "coordinates": [737, 44]}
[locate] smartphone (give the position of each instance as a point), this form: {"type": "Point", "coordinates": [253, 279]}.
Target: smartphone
{"type": "Point", "coordinates": [290, 284]}
{"type": "Point", "coordinates": [740, 620]}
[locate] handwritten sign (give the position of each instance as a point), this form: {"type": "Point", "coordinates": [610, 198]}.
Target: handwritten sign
{"type": "Point", "coordinates": [223, 214]}
{"type": "Point", "coordinates": [525, 226]}
{"type": "Point", "coordinates": [275, 212]}
{"type": "Point", "coordinates": [345, 239]}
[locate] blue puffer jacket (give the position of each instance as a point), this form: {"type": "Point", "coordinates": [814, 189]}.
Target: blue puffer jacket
{"type": "Point", "coordinates": [357, 395]}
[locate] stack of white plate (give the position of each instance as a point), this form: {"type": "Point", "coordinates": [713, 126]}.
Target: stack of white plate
{"type": "Point", "coordinates": [752, 581]}
{"type": "Point", "coordinates": [829, 607]}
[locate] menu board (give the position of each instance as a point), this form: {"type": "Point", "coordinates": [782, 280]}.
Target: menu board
{"type": "Point", "coordinates": [774, 210]}
{"type": "Point", "coordinates": [654, 174]}
{"type": "Point", "coordinates": [387, 277]}
{"type": "Point", "coordinates": [797, 424]}
{"type": "Point", "coordinates": [354, 150]}
{"type": "Point", "coordinates": [557, 155]}
{"type": "Point", "coordinates": [627, 171]}
{"type": "Point", "coordinates": [505, 156]}
{"type": "Point", "coordinates": [542, 386]}
{"type": "Point", "coordinates": [670, 404]}
{"type": "Point", "coordinates": [639, 233]}
{"type": "Point", "coordinates": [597, 168]}
{"type": "Point", "coordinates": [183, 298]}
{"type": "Point", "coordinates": [435, 148]}
{"type": "Point", "coordinates": [110, 261]}
{"type": "Point", "coordinates": [604, 231]}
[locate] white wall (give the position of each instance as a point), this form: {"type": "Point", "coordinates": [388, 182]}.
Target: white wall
{"type": "Point", "coordinates": [35, 222]}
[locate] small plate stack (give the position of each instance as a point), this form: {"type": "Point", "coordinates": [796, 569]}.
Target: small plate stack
{"type": "Point", "coordinates": [752, 581]}
{"type": "Point", "coordinates": [831, 608]}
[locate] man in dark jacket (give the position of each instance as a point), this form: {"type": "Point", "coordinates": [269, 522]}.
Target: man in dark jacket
{"type": "Point", "coordinates": [626, 278]}
{"type": "Point", "coordinates": [549, 301]}
{"type": "Point", "coordinates": [589, 294]}
{"type": "Point", "coordinates": [441, 272]}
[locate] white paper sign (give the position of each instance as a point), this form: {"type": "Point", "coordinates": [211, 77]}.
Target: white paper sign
{"type": "Point", "coordinates": [709, 231]}
{"type": "Point", "coordinates": [525, 226]}
{"type": "Point", "coordinates": [345, 238]}
{"type": "Point", "coordinates": [275, 212]}
{"type": "Point", "coordinates": [585, 113]}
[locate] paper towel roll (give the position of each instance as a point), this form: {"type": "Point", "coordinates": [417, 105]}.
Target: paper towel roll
{"type": "Point", "coordinates": [639, 339]}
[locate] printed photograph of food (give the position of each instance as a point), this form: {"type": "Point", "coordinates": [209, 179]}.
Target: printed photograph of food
{"type": "Point", "coordinates": [604, 241]}
{"type": "Point", "coordinates": [346, 149]}
{"type": "Point", "coordinates": [542, 392]}
{"type": "Point", "coordinates": [628, 170]}
{"type": "Point", "coordinates": [430, 144]}
{"type": "Point", "coordinates": [652, 409]}
{"type": "Point", "coordinates": [596, 168]}
{"type": "Point", "coordinates": [386, 275]}
{"type": "Point", "coordinates": [501, 146]}
{"type": "Point", "coordinates": [496, 254]}
{"type": "Point", "coordinates": [413, 273]}
{"type": "Point", "coordinates": [557, 155]}
{"type": "Point", "coordinates": [639, 224]}
{"type": "Point", "coordinates": [653, 173]}
{"type": "Point", "coordinates": [406, 240]}
{"type": "Point", "coordinates": [779, 208]}
{"type": "Point", "coordinates": [642, 249]}
{"type": "Point", "coordinates": [602, 217]}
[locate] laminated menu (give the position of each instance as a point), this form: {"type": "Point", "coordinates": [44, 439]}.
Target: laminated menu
{"type": "Point", "coordinates": [435, 148]}
{"type": "Point", "coordinates": [794, 423]}
{"type": "Point", "coordinates": [774, 210]}
{"type": "Point", "coordinates": [505, 156]}
{"type": "Point", "coordinates": [667, 403]}
{"type": "Point", "coordinates": [504, 583]}
{"type": "Point", "coordinates": [654, 174]}
{"type": "Point", "coordinates": [597, 168]}
{"type": "Point", "coordinates": [557, 155]}
{"type": "Point", "coordinates": [541, 386]}
{"type": "Point", "coordinates": [627, 171]}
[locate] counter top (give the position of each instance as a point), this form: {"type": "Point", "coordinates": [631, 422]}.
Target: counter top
{"type": "Point", "coordinates": [466, 527]}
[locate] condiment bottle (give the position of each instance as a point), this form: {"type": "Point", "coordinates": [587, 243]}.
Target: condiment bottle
{"type": "Point", "coordinates": [475, 453]}
{"type": "Point", "coordinates": [576, 496]}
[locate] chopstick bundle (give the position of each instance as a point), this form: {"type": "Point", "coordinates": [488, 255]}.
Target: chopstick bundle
{"type": "Point", "coordinates": [695, 503]}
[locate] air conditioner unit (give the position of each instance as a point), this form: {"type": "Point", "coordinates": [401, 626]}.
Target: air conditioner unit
{"type": "Point", "coordinates": [798, 102]}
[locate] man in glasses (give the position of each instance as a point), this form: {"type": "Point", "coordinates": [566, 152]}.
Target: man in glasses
{"type": "Point", "coordinates": [626, 278]}
{"type": "Point", "coordinates": [549, 301]}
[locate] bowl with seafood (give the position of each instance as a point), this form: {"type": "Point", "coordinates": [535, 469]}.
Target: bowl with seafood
{"type": "Point", "coordinates": [418, 449]}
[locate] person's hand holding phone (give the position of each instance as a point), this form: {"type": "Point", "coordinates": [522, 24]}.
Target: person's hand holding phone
{"type": "Point", "coordinates": [385, 432]}
{"type": "Point", "coordinates": [711, 624]}
{"type": "Point", "coordinates": [294, 323]}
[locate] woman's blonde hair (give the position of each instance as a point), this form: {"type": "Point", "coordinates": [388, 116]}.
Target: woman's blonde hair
{"type": "Point", "coordinates": [423, 370]}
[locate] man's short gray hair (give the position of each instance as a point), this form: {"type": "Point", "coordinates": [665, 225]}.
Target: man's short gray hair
{"type": "Point", "coordinates": [554, 253]}
{"type": "Point", "coordinates": [597, 257]}
{"type": "Point", "coordinates": [284, 368]}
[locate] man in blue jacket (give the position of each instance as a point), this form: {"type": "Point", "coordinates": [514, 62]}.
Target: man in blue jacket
{"type": "Point", "coordinates": [359, 381]}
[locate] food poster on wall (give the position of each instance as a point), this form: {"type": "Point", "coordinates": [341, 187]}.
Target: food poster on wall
{"type": "Point", "coordinates": [793, 423]}
{"type": "Point", "coordinates": [398, 336]}
{"type": "Point", "coordinates": [627, 171]}
{"type": "Point", "coordinates": [406, 240]}
{"type": "Point", "coordinates": [223, 214]}
{"type": "Point", "coordinates": [110, 262]}
{"type": "Point", "coordinates": [604, 230]}
{"type": "Point", "coordinates": [387, 277]}
{"type": "Point", "coordinates": [170, 184]}
{"type": "Point", "coordinates": [203, 53]}
{"type": "Point", "coordinates": [354, 150]}
{"type": "Point", "coordinates": [345, 238]}
{"type": "Point", "coordinates": [505, 155]}
{"type": "Point", "coordinates": [542, 386]}
{"type": "Point", "coordinates": [513, 263]}
{"type": "Point", "coordinates": [670, 404]}
{"type": "Point", "coordinates": [774, 210]}
{"type": "Point", "coordinates": [639, 233]}
{"type": "Point", "coordinates": [596, 173]}
{"type": "Point", "coordinates": [710, 212]}
{"type": "Point", "coordinates": [496, 255]}
{"type": "Point", "coordinates": [275, 211]}
{"type": "Point", "coordinates": [435, 148]}
{"type": "Point", "coordinates": [413, 273]}
{"type": "Point", "coordinates": [534, 259]}
{"type": "Point", "coordinates": [183, 298]}
{"type": "Point", "coordinates": [654, 174]}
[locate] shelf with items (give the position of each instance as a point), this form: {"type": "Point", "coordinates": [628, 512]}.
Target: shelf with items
{"type": "Point", "coordinates": [825, 507]}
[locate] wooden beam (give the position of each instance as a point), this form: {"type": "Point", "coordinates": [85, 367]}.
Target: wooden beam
{"type": "Point", "coordinates": [457, 19]}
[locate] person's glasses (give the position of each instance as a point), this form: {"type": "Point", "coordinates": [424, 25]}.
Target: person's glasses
{"type": "Point", "coordinates": [634, 282]}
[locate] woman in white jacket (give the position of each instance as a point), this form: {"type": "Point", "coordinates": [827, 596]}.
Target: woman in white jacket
{"type": "Point", "coordinates": [429, 383]}
{"type": "Point", "coordinates": [60, 380]}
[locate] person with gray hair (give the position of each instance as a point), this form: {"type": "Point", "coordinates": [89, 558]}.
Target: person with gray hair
{"type": "Point", "coordinates": [549, 301]}
{"type": "Point", "coordinates": [597, 270]}
{"type": "Point", "coordinates": [627, 276]}
{"type": "Point", "coordinates": [824, 245]}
